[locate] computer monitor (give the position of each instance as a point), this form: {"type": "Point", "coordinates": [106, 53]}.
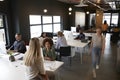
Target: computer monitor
{"type": "Point", "coordinates": [68, 35]}
{"type": "Point", "coordinates": [2, 48]}
{"type": "Point", "coordinates": [49, 34]}
{"type": "Point", "coordinates": [73, 29]}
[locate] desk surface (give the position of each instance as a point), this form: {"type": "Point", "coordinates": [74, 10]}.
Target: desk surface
{"type": "Point", "coordinates": [16, 70]}
{"type": "Point", "coordinates": [77, 43]}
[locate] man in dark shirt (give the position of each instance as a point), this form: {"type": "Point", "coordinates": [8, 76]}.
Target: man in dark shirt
{"type": "Point", "coordinates": [81, 35]}
{"type": "Point", "coordinates": [18, 45]}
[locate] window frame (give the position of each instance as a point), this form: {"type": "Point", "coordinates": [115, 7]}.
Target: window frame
{"type": "Point", "coordinates": [42, 24]}
{"type": "Point", "coordinates": [5, 27]}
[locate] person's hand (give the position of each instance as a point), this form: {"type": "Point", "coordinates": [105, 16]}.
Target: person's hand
{"type": "Point", "coordinates": [102, 52]}
{"type": "Point", "coordinates": [45, 77]}
{"type": "Point", "coordinates": [89, 51]}
{"type": "Point", "coordinates": [47, 58]}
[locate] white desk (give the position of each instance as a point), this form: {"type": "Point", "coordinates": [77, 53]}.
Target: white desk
{"type": "Point", "coordinates": [75, 43]}
{"type": "Point", "coordinates": [16, 70]}
{"type": "Point", "coordinates": [89, 34]}
{"type": "Point", "coordinates": [78, 43]}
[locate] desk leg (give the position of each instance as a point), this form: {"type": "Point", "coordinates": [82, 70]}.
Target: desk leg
{"type": "Point", "coordinates": [81, 54]}
{"type": "Point", "coordinates": [81, 58]}
{"type": "Point", "coordinates": [58, 74]}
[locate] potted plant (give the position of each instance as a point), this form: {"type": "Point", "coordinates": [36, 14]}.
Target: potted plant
{"type": "Point", "coordinates": [11, 57]}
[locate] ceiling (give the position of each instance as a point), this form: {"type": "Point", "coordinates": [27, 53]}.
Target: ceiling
{"type": "Point", "coordinates": [104, 5]}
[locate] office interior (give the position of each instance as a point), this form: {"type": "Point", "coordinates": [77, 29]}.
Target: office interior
{"type": "Point", "coordinates": [32, 17]}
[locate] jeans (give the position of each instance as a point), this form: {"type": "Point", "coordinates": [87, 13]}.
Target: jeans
{"type": "Point", "coordinates": [96, 54]}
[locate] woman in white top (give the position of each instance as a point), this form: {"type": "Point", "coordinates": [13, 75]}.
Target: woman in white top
{"type": "Point", "coordinates": [33, 61]}
{"type": "Point", "coordinates": [97, 48]}
{"type": "Point", "coordinates": [61, 41]}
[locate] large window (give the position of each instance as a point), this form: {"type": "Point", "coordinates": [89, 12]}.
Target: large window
{"type": "Point", "coordinates": [2, 30]}
{"type": "Point", "coordinates": [111, 18]}
{"type": "Point", "coordinates": [107, 16]}
{"type": "Point", "coordinates": [114, 20]}
{"type": "Point", "coordinates": [39, 24]}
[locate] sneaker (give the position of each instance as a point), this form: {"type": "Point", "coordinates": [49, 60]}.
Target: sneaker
{"type": "Point", "coordinates": [94, 74]}
{"type": "Point", "coordinates": [97, 66]}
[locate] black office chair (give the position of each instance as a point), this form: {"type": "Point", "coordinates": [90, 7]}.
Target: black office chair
{"type": "Point", "coordinates": [65, 52]}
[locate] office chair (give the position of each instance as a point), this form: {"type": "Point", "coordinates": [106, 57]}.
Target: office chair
{"type": "Point", "coordinates": [65, 52]}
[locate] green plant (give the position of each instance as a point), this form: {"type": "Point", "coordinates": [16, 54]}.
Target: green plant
{"type": "Point", "coordinates": [10, 53]}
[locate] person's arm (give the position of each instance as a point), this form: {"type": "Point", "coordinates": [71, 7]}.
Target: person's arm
{"type": "Point", "coordinates": [77, 37]}
{"type": "Point", "coordinates": [103, 44]}
{"type": "Point", "coordinates": [12, 47]}
{"type": "Point", "coordinates": [53, 55]}
{"type": "Point", "coordinates": [41, 69]}
{"type": "Point", "coordinates": [83, 36]}
{"type": "Point", "coordinates": [91, 45]}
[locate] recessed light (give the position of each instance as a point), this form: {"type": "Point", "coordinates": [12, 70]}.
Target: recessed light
{"type": "Point", "coordinates": [87, 12]}
{"type": "Point", "coordinates": [70, 9]}
{"type": "Point", "coordinates": [1, 0]}
{"type": "Point", "coordinates": [70, 13]}
{"type": "Point", "coordinates": [45, 10]}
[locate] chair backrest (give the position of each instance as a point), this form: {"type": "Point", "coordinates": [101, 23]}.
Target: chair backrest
{"type": "Point", "coordinates": [65, 51]}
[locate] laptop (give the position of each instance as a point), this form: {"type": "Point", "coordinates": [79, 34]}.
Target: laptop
{"type": "Point", "coordinates": [84, 40]}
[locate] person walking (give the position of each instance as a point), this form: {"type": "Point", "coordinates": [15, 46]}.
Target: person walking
{"type": "Point", "coordinates": [104, 27]}
{"type": "Point", "coordinates": [97, 48]}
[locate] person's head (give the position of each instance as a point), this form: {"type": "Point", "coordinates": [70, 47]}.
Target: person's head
{"type": "Point", "coordinates": [60, 34]}
{"type": "Point", "coordinates": [18, 36]}
{"type": "Point", "coordinates": [48, 43]}
{"type": "Point", "coordinates": [43, 35]}
{"type": "Point", "coordinates": [78, 26]}
{"type": "Point", "coordinates": [99, 30]}
{"type": "Point", "coordinates": [105, 22]}
{"type": "Point", "coordinates": [33, 52]}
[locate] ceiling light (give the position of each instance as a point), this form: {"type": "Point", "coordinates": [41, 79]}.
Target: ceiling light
{"type": "Point", "coordinates": [98, 1]}
{"type": "Point", "coordinates": [81, 4]}
{"type": "Point", "coordinates": [70, 9]}
{"type": "Point", "coordinates": [87, 12]}
{"type": "Point", "coordinates": [45, 10]}
{"type": "Point", "coordinates": [70, 13]}
{"type": "Point", "coordinates": [1, 0]}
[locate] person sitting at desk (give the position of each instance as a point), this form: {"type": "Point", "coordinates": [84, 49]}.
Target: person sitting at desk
{"type": "Point", "coordinates": [78, 28]}
{"type": "Point", "coordinates": [81, 35]}
{"type": "Point", "coordinates": [18, 45]}
{"type": "Point", "coordinates": [42, 37]}
{"type": "Point", "coordinates": [48, 49]}
{"type": "Point", "coordinates": [34, 62]}
{"type": "Point", "coordinates": [61, 41]}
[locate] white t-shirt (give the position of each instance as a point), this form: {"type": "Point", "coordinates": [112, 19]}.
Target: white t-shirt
{"type": "Point", "coordinates": [61, 41]}
{"type": "Point", "coordinates": [97, 40]}
{"type": "Point", "coordinates": [32, 71]}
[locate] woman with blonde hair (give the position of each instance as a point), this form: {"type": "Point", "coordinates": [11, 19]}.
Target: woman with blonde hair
{"type": "Point", "coordinates": [33, 61]}
{"type": "Point", "coordinates": [96, 49]}
{"type": "Point", "coordinates": [61, 41]}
